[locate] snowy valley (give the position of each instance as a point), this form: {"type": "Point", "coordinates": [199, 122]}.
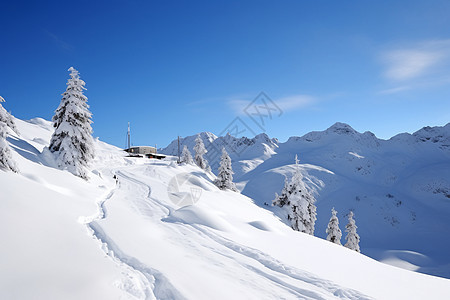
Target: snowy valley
{"type": "Point", "coordinates": [67, 238]}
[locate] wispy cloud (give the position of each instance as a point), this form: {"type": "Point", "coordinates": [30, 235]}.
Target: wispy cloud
{"type": "Point", "coordinates": [286, 104]}
{"type": "Point", "coordinates": [395, 90]}
{"type": "Point", "coordinates": [419, 62]}
{"type": "Point", "coordinates": [407, 64]}
{"type": "Point", "coordinates": [60, 43]}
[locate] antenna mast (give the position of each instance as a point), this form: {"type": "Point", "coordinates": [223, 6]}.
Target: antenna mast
{"type": "Point", "coordinates": [179, 159]}
{"type": "Point", "coordinates": [129, 135]}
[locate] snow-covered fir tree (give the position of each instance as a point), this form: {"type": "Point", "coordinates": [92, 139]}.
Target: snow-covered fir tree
{"type": "Point", "coordinates": [200, 150]}
{"type": "Point", "coordinates": [6, 117]}
{"type": "Point", "coordinates": [352, 237]}
{"type": "Point", "coordinates": [6, 160]}
{"type": "Point", "coordinates": [6, 120]}
{"type": "Point", "coordinates": [72, 141]}
{"type": "Point", "coordinates": [282, 199]}
{"type": "Point", "coordinates": [224, 179]}
{"type": "Point", "coordinates": [299, 203]}
{"type": "Point", "coordinates": [334, 234]}
{"type": "Point", "coordinates": [186, 156]}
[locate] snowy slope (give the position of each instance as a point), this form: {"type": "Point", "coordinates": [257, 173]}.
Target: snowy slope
{"type": "Point", "coordinates": [47, 252]}
{"type": "Point", "coordinates": [65, 238]}
{"type": "Point", "coordinates": [399, 189]}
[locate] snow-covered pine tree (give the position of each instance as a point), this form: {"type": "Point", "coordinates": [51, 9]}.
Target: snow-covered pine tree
{"type": "Point", "coordinates": [72, 141]}
{"type": "Point", "coordinates": [6, 120]}
{"type": "Point", "coordinates": [282, 199]}
{"type": "Point", "coordinates": [186, 156]}
{"type": "Point", "coordinates": [200, 150]}
{"type": "Point", "coordinates": [6, 117]}
{"type": "Point", "coordinates": [224, 179]}
{"type": "Point", "coordinates": [6, 160]}
{"type": "Point", "coordinates": [312, 210]}
{"type": "Point", "coordinates": [352, 237]}
{"type": "Point", "coordinates": [334, 234]}
{"type": "Point", "coordinates": [299, 203]}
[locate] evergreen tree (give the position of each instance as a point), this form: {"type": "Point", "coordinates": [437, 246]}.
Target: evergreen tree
{"type": "Point", "coordinates": [352, 237]}
{"type": "Point", "coordinates": [299, 203]}
{"type": "Point", "coordinates": [312, 211]}
{"type": "Point", "coordinates": [200, 150]}
{"type": "Point", "coordinates": [72, 141]}
{"type": "Point", "coordinates": [6, 160]}
{"type": "Point", "coordinates": [334, 234]}
{"type": "Point", "coordinates": [282, 200]}
{"type": "Point", "coordinates": [186, 156]}
{"type": "Point", "coordinates": [224, 179]}
{"type": "Point", "coordinates": [6, 120]}
{"type": "Point", "coordinates": [6, 117]}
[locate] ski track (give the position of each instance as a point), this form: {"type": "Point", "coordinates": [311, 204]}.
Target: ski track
{"type": "Point", "coordinates": [157, 286]}
{"type": "Point", "coordinates": [167, 210]}
{"type": "Point", "coordinates": [151, 284]}
{"type": "Point", "coordinates": [278, 267]}
{"type": "Point", "coordinates": [330, 290]}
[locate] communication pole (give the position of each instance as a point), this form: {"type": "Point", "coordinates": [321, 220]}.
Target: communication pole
{"type": "Point", "coordinates": [179, 158]}
{"type": "Point", "coordinates": [129, 135]}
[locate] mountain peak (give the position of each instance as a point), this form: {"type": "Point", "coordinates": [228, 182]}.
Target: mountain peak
{"type": "Point", "coordinates": [208, 134]}
{"type": "Point", "coordinates": [439, 135]}
{"type": "Point", "coordinates": [341, 128]}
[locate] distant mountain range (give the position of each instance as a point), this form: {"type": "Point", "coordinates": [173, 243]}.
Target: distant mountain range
{"type": "Point", "coordinates": [399, 188]}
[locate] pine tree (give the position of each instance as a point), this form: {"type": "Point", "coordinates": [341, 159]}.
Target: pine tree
{"type": "Point", "coordinates": [334, 234]}
{"type": "Point", "coordinates": [186, 156]}
{"type": "Point", "coordinates": [299, 203]}
{"type": "Point", "coordinates": [6, 117]}
{"type": "Point", "coordinates": [282, 200]}
{"type": "Point", "coordinates": [352, 237]}
{"type": "Point", "coordinates": [6, 160]}
{"type": "Point", "coordinates": [200, 150]}
{"type": "Point", "coordinates": [6, 120]}
{"type": "Point", "coordinates": [312, 210]}
{"type": "Point", "coordinates": [72, 140]}
{"type": "Point", "coordinates": [224, 179]}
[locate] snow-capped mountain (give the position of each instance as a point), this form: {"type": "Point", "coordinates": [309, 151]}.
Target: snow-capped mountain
{"type": "Point", "coordinates": [399, 188]}
{"type": "Point", "coordinates": [250, 152]}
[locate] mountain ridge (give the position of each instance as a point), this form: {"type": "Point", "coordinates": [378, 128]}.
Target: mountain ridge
{"type": "Point", "coordinates": [401, 184]}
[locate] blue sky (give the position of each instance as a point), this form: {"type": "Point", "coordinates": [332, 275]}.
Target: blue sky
{"type": "Point", "coordinates": [181, 67]}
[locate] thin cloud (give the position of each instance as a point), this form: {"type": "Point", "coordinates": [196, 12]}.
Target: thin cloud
{"type": "Point", "coordinates": [408, 64]}
{"type": "Point", "coordinates": [60, 43]}
{"type": "Point", "coordinates": [414, 66]}
{"type": "Point", "coordinates": [286, 104]}
{"type": "Point", "coordinates": [394, 90]}
{"type": "Point", "coordinates": [215, 100]}
{"type": "Point", "coordinates": [295, 102]}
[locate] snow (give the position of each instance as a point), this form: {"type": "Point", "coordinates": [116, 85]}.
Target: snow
{"type": "Point", "coordinates": [355, 155]}
{"type": "Point", "coordinates": [402, 184]}
{"type": "Point", "coordinates": [46, 253]}
{"type": "Point", "coordinates": [67, 238]}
